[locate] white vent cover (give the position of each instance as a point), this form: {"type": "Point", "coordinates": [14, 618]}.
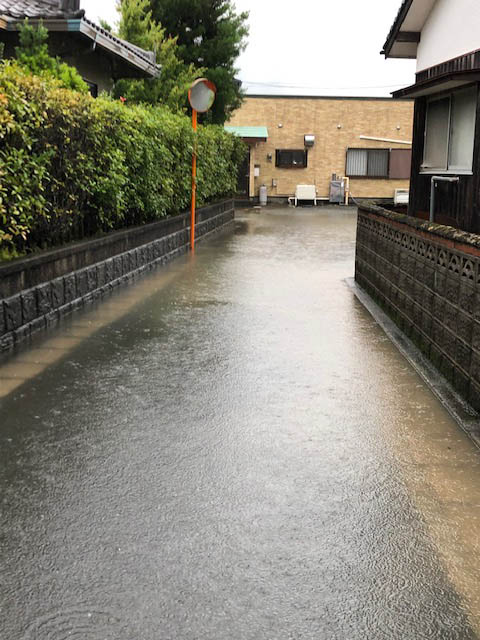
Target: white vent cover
{"type": "Point", "coordinates": [309, 140]}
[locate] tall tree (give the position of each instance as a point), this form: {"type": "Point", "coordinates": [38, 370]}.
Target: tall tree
{"type": "Point", "coordinates": [210, 33]}
{"type": "Point", "coordinates": [138, 27]}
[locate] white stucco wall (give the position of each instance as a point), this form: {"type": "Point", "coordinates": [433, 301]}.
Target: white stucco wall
{"type": "Point", "coordinates": [451, 29]}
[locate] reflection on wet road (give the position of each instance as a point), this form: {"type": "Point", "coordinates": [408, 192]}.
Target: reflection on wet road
{"type": "Point", "coordinates": [232, 449]}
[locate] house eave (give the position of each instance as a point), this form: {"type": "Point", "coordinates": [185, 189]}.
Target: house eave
{"type": "Point", "coordinates": [438, 84]}
{"type": "Point", "coordinates": [404, 46]}
{"type": "Point", "coordinates": [96, 35]}
{"type": "Point", "coordinates": [402, 14]}
{"type": "Point", "coordinates": [113, 46]}
{"type": "Point", "coordinates": [405, 32]}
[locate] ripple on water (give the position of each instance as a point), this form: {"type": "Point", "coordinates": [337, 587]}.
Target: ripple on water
{"type": "Point", "coordinates": [83, 623]}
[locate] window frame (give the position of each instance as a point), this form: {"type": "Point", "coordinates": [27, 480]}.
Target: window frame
{"type": "Point", "coordinates": [447, 170]}
{"type": "Point", "coordinates": [291, 166]}
{"type": "Point", "coordinates": [92, 87]}
{"type": "Point", "coordinates": [367, 177]}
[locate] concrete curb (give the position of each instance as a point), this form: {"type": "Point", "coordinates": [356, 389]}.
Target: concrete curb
{"type": "Point", "coordinates": [463, 414]}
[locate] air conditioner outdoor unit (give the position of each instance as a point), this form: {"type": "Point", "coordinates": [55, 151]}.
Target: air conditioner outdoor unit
{"type": "Point", "coordinates": [304, 192]}
{"type": "Point", "coordinates": [401, 196]}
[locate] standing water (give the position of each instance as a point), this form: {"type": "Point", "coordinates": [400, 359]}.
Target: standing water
{"type": "Point", "coordinates": [231, 448]}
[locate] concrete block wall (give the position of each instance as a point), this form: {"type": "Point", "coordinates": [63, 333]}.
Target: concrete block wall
{"type": "Point", "coordinates": [427, 278]}
{"type": "Point", "coordinates": [35, 292]}
{"type": "Point", "coordinates": [385, 118]}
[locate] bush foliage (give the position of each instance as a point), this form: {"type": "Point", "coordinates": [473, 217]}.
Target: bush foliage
{"type": "Point", "coordinates": [72, 166]}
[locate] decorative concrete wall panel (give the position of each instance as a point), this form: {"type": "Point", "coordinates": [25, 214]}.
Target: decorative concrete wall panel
{"type": "Point", "coordinates": [431, 288]}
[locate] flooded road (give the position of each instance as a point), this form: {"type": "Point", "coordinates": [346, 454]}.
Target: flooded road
{"type": "Point", "coordinates": [231, 448]}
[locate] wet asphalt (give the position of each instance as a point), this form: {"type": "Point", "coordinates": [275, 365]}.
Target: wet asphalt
{"type": "Point", "coordinates": [231, 448]}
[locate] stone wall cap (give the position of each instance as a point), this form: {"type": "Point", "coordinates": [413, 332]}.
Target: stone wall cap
{"type": "Point", "coordinates": [55, 253]}
{"type": "Point", "coordinates": [443, 231]}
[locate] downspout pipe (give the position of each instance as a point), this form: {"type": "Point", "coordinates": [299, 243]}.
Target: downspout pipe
{"type": "Point", "coordinates": [433, 182]}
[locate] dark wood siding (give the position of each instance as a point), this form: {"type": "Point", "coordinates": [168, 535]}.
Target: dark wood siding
{"type": "Point", "coordinates": [467, 62]}
{"type": "Point", "coordinates": [458, 204]}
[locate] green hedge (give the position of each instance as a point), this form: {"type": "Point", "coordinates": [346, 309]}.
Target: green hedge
{"type": "Point", "coordinates": [72, 166]}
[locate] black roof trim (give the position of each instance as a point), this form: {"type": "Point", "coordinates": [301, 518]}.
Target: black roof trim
{"type": "Point", "coordinates": [467, 76]}
{"type": "Point", "coordinates": [401, 15]}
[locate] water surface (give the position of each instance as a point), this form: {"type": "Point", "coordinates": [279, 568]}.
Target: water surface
{"type": "Point", "coordinates": [232, 448]}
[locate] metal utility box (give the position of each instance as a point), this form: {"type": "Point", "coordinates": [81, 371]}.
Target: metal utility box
{"type": "Point", "coordinates": [337, 191]}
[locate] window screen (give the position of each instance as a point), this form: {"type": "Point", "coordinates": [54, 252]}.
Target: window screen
{"type": "Point", "coordinates": [378, 163]}
{"type": "Point", "coordinates": [357, 162]}
{"type": "Point", "coordinates": [291, 158]}
{"type": "Point", "coordinates": [450, 131]}
{"type": "Point", "coordinates": [367, 163]}
{"type": "Point", "coordinates": [462, 129]}
{"type": "Point", "coordinates": [436, 134]}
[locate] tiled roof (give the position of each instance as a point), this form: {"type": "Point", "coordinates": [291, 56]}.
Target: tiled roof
{"type": "Point", "coordinates": [35, 9]}
{"type": "Point", "coordinates": [149, 56]}
{"type": "Point", "coordinates": [66, 10]}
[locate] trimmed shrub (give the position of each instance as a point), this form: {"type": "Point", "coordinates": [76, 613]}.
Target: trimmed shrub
{"type": "Point", "coordinates": [72, 166]}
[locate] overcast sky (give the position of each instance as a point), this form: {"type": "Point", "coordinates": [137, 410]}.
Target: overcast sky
{"type": "Point", "coordinates": [311, 46]}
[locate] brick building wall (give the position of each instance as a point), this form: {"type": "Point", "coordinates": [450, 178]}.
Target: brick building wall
{"type": "Point", "coordinates": [337, 124]}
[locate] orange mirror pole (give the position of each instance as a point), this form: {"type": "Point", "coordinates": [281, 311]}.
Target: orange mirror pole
{"type": "Point", "coordinates": [200, 96]}
{"type": "Point", "coordinates": [194, 180]}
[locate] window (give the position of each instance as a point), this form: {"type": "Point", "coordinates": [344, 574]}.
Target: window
{"type": "Point", "coordinates": [367, 163]}
{"type": "Point", "coordinates": [450, 131]}
{"type": "Point", "coordinates": [291, 158]}
{"type": "Point", "coordinates": [92, 88]}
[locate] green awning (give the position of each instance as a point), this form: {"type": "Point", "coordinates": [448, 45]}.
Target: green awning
{"type": "Point", "coordinates": [258, 133]}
